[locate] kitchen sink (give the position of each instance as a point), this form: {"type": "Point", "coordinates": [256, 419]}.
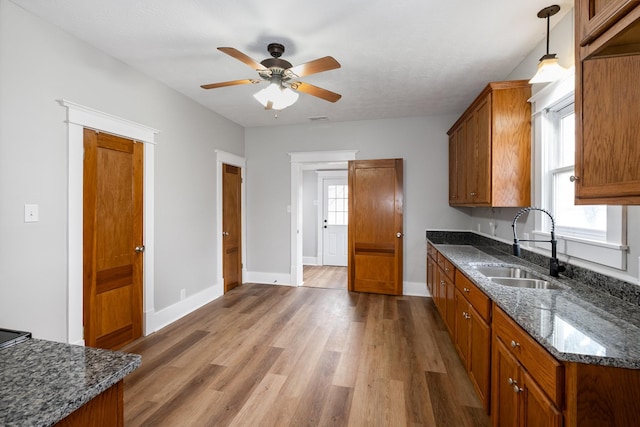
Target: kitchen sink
{"type": "Point", "coordinates": [518, 282]}
{"type": "Point", "coordinates": [500, 271]}
{"type": "Point", "coordinates": [516, 277]}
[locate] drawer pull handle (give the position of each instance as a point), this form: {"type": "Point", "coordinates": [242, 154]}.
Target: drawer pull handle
{"type": "Point", "coordinates": [442, 283]}
{"type": "Point", "coordinates": [466, 290]}
{"type": "Point", "coordinates": [514, 344]}
{"type": "Point", "coordinates": [511, 381]}
{"type": "Point", "coordinates": [516, 388]}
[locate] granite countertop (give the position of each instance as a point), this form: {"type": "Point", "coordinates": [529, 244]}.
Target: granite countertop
{"type": "Point", "coordinates": [43, 381]}
{"type": "Point", "coordinates": [575, 324]}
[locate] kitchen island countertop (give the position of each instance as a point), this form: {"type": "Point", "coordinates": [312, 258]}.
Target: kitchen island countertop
{"type": "Point", "coordinates": [42, 382]}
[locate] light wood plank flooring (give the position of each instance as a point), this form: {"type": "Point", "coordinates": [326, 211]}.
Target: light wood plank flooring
{"type": "Point", "coordinates": [266, 355]}
{"type": "Point", "coordinates": [325, 276]}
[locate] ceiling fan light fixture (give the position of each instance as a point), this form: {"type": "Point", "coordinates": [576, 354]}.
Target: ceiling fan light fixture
{"type": "Point", "coordinates": [548, 68]}
{"type": "Point", "coordinates": [276, 95]}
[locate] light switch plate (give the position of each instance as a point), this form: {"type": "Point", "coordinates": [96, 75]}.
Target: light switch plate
{"type": "Point", "coordinates": [31, 213]}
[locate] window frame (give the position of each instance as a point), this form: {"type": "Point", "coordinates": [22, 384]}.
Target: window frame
{"type": "Point", "coordinates": [612, 252]}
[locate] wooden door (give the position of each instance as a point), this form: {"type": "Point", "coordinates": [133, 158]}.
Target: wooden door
{"type": "Point", "coordinates": [537, 409]}
{"type": "Point", "coordinates": [231, 226]}
{"type": "Point", "coordinates": [113, 240]}
{"type": "Point", "coordinates": [607, 149]}
{"type": "Point", "coordinates": [461, 325]}
{"type": "Point", "coordinates": [479, 362]}
{"type": "Point", "coordinates": [483, 153]}
{"type": "Point", "coordinates": [504, 400]}
{"type": "Point", "coordinates": [375, 226]}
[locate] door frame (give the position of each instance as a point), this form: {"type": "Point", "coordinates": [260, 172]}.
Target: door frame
{"type": "Point", "coordinates": [78, 118]}
{"type": "Point", "coordinates": [306, 160]}
{"type": "Point", "coordinates": [322, 175]}
{"type": "Point", "coordinates": [223, 157]}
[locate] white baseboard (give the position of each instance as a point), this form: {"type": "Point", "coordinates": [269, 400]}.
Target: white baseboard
{"type": "Point", "coordinates": [156, 320]}
{"type": "Point", "coordinates": [416, 289]}
{"type": "Point", "coordinates": [309, 260]}
{"type": "Point", "coordinates": [268, 278]}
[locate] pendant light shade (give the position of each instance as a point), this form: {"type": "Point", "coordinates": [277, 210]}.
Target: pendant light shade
{"type": "Point", "coordinates": [548, 68]}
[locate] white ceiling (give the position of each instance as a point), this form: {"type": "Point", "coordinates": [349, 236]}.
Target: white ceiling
{"type": "Point", "coordinates": [399, 58]}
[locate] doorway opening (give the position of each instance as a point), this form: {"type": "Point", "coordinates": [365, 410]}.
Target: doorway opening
{"type": "Point", "coordinates": [306, 226]}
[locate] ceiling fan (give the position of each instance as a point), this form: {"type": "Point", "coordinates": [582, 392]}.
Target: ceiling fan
{"type": "Point", "coordinates": [282, 77]}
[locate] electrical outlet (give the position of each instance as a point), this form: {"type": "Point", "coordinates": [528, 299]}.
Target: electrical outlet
{"type": "Point", "coordinates": [183, 294]}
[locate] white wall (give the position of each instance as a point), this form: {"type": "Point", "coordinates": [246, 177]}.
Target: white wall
{"type": "Point", "coordinates": [39, 64]}
{"type": "Point", "coordinates": [561, 42]}
{"type": "Point", "coordinates": [421, 141]}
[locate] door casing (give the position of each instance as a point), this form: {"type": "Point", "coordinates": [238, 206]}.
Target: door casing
{"type": "Point", "coordinates": [78, 118]}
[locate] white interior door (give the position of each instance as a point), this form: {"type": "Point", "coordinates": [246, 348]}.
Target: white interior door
{"type": "Point", "coordinates": [335, 219]}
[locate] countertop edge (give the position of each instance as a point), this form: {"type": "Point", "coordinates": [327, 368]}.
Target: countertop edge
{"type": "Point", "coordinates": [489, 290]}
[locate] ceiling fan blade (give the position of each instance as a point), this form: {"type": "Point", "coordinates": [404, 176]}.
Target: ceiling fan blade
{"type": "Point", "coordinates": [316, 66]}
{"type": "Point", "coordinates": [231, 83]}
{"type": "Point", "coordinates": [316, 91]}
{"type": "Point", "coordinates": [242, 57]}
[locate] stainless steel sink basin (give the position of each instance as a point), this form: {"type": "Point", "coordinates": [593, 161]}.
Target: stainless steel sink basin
{"type": "Point", "coordinates": [518, 282]}
{"type": "Point", "coordinates": [516, 277]}
{"type": "Point", "coordinates": [500, 271]}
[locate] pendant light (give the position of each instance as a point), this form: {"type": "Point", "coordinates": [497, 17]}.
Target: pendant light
{"type": "Point", "coordinates": [548, 68]}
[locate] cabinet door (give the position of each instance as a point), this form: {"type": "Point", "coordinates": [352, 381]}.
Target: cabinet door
{"type": "Point", "coordinates": [470, 158]}
{"type": "Point", "coordinates": [607, 148]}
{"type": "Point", "coordinates": [441, 293]}
{"type": "Point", "coordinates": [536, 409]}
{"type": "Point", "coordinates": [461, 333]}
{"type": "Point", "coordinates": [596, 16]}
{"type": "Point", "coordinates": [450, 302]}
{"type": "Point", "coordinates": [453, 169]}
{"type": "Point", "coordinates": [479, 362]}
{"type": "Point", "coordinates": [483, 153]}
{"type": "Point", "coordinates": [504, 400]}
{"type": "Point", "coordinates": [431, 275]}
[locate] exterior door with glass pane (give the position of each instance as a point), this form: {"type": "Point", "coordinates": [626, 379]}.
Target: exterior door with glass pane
{"type": "Point", "coordinates": [335, 219]}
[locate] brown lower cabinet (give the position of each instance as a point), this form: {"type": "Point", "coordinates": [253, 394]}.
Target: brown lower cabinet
{"type": "Point", "coordinates": [520, 365]}
{"type": "Point", "coordinates": [518, 381]}
{"type": "Point", "coordinates": [472, 335]}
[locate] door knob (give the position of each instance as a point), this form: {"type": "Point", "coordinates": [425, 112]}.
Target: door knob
{"type": "Point", "coordinates": [140, 249]}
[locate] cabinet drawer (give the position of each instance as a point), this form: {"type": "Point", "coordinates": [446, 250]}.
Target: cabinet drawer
{"type": "Point", "coordinates": [547, 372]}
{"type": "Point", "coordinates": [474, 295]}
{"type": "Point", "coordinates": [431, 251]}
{"type": "Point", "coordinates": [446, 266]}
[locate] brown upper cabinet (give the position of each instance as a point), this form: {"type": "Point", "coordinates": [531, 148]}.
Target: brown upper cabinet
{"type": "Point", "coordinates": [490, 148]}
{"type": "Point", "coordinates": [607, 99]}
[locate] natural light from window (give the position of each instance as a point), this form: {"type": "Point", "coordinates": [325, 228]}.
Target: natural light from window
{"type": "Point", "coordinates": [337, 204]}
{"type": "Point", "coordinates": [572, 220]}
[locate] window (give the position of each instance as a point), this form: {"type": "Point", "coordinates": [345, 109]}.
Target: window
{"type": "Point", "coordinates": [571, 220]}
{"type": "Point", "coordinates": [592, 233]}
{"type": "Point", "coordinates": [337, 204]}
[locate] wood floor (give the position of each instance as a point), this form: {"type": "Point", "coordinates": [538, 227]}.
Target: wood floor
{"type": "Point", "coordinates": [325, 276]}
{"type": "Point", "coordinates": [267, 355]}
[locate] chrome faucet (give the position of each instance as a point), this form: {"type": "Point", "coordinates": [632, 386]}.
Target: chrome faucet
{"type": "Point", "coordinates": [554, 265]}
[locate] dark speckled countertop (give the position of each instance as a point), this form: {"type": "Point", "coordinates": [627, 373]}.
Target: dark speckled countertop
{"type": "Point", "coordinates": [576, 324]}
{"type": "Point", "coordinates": [41, 382]}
